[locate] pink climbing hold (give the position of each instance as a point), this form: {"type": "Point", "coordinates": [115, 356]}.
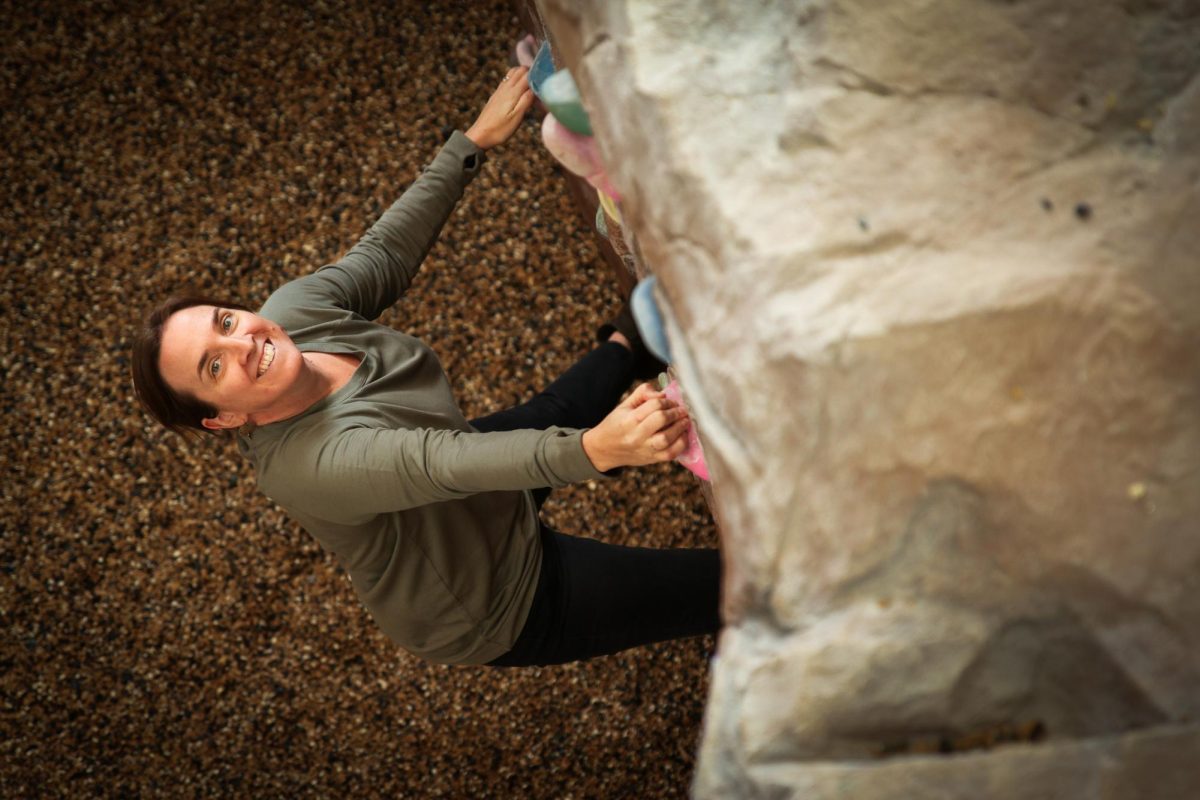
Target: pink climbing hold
{"type": "Point", "coordinates": [525, 51]}
{"type": "Point", "coordinates": [693, 456]}
{"type": "Point", "coordinates": [577, 153]}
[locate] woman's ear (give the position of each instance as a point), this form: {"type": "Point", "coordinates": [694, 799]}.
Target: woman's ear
{"type": "Point", "coordinates": [224, 420]}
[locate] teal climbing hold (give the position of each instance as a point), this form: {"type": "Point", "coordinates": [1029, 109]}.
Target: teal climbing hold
{"type": "Point", "coordinates": [561, 96]}
{"type": "Point", "coordinates": [558, 92]}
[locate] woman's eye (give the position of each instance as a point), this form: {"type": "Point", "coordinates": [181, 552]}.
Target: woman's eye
{"type": "Point", "coordinates": [227, 323]}
{"type": "Point", "coordinates": [214, 367]}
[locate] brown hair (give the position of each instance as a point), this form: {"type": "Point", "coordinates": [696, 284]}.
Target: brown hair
{"type": "Point", "coordinates": [177, 411]}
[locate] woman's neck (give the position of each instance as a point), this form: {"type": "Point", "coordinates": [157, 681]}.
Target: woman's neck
{"type": "Point", "coordinates": [321, 374]}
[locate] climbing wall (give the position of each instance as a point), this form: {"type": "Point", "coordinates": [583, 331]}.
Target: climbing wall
{"type": "Point", "coordinates": [568, 135]}
{"type": "Point", "coordinates": [928, 276]}
{"type": "Point", "coordinates": [587, 199]}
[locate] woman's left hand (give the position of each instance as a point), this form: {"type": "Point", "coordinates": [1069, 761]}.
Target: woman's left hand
{"type": "Point", "coordinates": [503, 111]}
{"type": "Point", "coordinates": [645, 428]}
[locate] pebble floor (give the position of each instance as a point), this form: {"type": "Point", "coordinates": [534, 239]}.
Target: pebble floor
{"type": "Point", "coordinates": [166, 630]}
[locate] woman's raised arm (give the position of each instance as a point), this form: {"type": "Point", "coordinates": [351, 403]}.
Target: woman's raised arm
{"type": "Point", "coordinates": [378, 270]}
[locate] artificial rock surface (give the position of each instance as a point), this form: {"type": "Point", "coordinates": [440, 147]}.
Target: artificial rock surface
{"type": "Point", "coordinates": [165, 631]}
{"type": "Point", "coordinates": [931, 271]}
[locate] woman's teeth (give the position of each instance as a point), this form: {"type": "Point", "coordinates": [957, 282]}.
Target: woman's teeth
{"type": "Point", "coordinates": [268, 355]}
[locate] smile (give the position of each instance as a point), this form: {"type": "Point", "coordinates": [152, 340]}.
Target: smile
{"type": "Point", "coordinates": [268, 355]}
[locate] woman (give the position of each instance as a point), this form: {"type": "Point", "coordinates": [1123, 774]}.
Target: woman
{"type": "Point", "coordinates": [353, 429]}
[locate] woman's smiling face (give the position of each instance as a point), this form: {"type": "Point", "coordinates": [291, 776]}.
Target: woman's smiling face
{"type": "Point", "coordinates": [234, 360]}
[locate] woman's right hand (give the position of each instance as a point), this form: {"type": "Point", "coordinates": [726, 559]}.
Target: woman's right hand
{"type": "Point", "coordinates": [504, 110]}
{"type": "Point", "coordinates": [645, 428]}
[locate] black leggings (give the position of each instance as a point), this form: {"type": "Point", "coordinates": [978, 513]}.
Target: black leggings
{"type": "Point", "coordinates": [593, 598]}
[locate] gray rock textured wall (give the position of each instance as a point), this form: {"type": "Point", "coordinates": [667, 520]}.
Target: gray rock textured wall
{"type": "Point", "coordinates": [932, 271]}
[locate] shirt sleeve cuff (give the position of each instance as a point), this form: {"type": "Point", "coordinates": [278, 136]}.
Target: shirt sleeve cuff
{"type": "Point", "coordinates": [576, 462]}
{"type": "Point", "coordinates": [462, 152]}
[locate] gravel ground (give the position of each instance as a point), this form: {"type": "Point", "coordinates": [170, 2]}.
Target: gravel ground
{"type": "Point", "coordinates": [167, 631]}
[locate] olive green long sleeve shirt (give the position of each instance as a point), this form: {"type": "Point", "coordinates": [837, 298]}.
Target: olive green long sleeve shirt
{"type": "Point", "coordinates": [434, 521]}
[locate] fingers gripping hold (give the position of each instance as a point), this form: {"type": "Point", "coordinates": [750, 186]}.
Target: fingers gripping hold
{"type": "Point", "coordinates": [643, 392]}
{"type": "Point", "coordinates": [650, 408]}
{"type": "Point", "coordinates": [646, 428]}
{"type": "Point", "coordinates": [678, 433]}
{"type": "Point", "coordinates": [661, 418]}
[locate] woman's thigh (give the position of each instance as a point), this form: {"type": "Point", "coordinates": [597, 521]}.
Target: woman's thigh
{"type": "Point", "coordinates": [579, 398]}
{"type": "Point", "coordinates": [595, 598]}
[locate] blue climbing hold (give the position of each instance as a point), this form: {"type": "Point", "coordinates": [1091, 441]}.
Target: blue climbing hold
{"type": "Point", "coordinates": [541, 68]}
{"type": "Point", "coordinates": [649, 319]}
